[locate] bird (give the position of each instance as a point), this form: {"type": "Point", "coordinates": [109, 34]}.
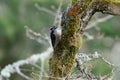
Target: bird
{"type": "Point", "coordinates": [55, 35]}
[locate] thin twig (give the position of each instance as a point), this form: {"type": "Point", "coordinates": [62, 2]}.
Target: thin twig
{"type": "Point", "coordinates": [15, 67]}
{"type": "Point", "coordinates": [100, 20]}
{"type": "Point", "coordinates": [45, 10]}
{"type": "Point", "coordinates": [36, 36]}
{"type": "Point", "coordinates": [21, 74]}
{"type": "Point", "coordinates": [82, 58]}
{"type": "Point", "coordinates": [57, 20]}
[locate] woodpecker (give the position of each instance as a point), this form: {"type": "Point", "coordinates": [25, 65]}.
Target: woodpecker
{"type": "Point", "coordinates": [55, 35]}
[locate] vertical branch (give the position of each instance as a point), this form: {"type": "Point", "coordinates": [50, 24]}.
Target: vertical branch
{"type": "Point", "coordinates": [64, 53]}
{"type": "Point", "coordinates": [86, 16]}
{"type": "Point", "coordinates": [57, 16]}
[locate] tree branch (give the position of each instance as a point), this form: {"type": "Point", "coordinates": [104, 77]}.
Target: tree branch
{"type": "Point", "coordinates": [74, 21]}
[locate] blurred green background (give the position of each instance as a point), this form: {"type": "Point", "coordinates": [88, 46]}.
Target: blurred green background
{"type": "Point", "coordinates": [14, 15]}
{"type": "Point", "coordinates": [14, 45]}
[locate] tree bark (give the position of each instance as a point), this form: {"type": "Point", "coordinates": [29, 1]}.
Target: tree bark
{"type": "Point", "coordinates": [73, 23]}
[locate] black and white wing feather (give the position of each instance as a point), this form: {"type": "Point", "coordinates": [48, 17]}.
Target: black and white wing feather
{"type": "Point", "coordinates": [53, 38]}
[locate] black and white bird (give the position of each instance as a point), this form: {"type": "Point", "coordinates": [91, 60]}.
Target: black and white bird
{"type": "Point", "coordinates": [55, 35]}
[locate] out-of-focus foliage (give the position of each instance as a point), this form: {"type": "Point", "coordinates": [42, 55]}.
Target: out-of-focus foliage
{"type": "Point", "coordinates": [106, 37]}
{"type": "Point", "coordinates": [117, 0]}
{"type": "Point", "coordinates": [14, 15]}
{"type": "Point", "coordinates": [100, 68]}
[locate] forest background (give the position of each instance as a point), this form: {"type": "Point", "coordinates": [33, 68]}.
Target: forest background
{"type": "Point", "coordinates": [104, 37]}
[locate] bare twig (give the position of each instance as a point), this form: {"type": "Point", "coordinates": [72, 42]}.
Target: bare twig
{"type": "Point", "coordinates": [21, 74]}
{"type": "Point", "coordinates": [15, 67]}
{"type": "Point", "coordinates": [82, 58]}
{"type": "Point", "coordinates": [86, 16]}
{"type": "Point", "coordinates": [89, 37]}
{"type": "Point", "coordinates": [94, 23]}
{"type": "Point", "coordinates": [57, 20]}
{"type": "Point", "coordinates": [36, 36]}
{"type": "Point", "coordinates": [45, 10]}
{"type": "Point", "coordinates": [100, 20]}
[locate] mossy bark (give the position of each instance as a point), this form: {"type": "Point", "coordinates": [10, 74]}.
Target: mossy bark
{"type": "Point", "coordinates": [64, 53]}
